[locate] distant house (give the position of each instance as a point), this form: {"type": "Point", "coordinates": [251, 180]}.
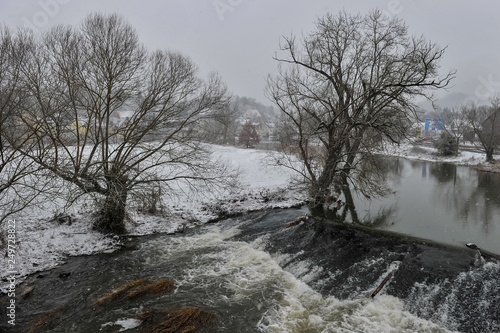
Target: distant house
{"type": "Point", "coordinates": [79, 127]}
{"type": "Point", "coordinates": [265, 130]}
{"type": "Point", "coordinates": [252, 115]}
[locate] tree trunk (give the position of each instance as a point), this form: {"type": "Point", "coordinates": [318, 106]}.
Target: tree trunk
{"type": "Point", "coordinates": [349, 203]}
{"type": "Point", "coordinates": [320, 193]}
{"type": "Point", "coordinates": [321, 189]}
{"type": "Point", "coordinates": [489, 154]}
{"type": "Point", "coordinates": [112, 215]}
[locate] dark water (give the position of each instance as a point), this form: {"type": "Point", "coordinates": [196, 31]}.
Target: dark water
{"type": "Point", "coordinates": [258, 274]}
{"type": "Point", "coordinates": [441, 202]}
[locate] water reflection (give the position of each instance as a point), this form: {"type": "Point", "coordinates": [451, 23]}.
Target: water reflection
{"type": "Point", "coordinates": [437, 201]}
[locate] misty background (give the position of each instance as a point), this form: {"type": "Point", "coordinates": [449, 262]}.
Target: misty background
{"type": "Point", "coordinates": [238, 38]}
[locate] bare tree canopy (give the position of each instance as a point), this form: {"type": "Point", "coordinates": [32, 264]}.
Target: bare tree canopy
{"type": "Point", "coordinates": [351, 81]}
{"type": "Point", "coordinates": [111, 117]}
{"type": "Point", "coordinates": [459, 125]}
{"type": "Point", "coordinates": [220, 127]}
{"type": "Point", "coordinates": [18, 177]}
{"type": "Point", "coordinates": [485, 121]}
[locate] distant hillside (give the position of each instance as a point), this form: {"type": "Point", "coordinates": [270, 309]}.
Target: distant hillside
{"type": "Point", "coordinates": [256, 112]}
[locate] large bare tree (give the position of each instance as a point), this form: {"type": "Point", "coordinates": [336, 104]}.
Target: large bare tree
{"type": "Point", "coordinates": [79, 80]}
{"type": "Point", "coordinates": [350, 82]}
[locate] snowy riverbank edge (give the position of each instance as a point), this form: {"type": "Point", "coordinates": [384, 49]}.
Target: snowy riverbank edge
{"type": "Point", "coordinates": [423, 152]}
{"type": "Point", "coordinates": [43, 242]}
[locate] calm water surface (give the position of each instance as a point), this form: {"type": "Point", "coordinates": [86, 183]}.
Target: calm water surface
{"type": "Point", "coordinates": [441, 202]}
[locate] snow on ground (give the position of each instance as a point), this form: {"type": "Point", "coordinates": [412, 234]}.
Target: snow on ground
{"type": "Point", "coordinates": [471, 157]}
{"type": "Point", "coordinates": [44, 241]}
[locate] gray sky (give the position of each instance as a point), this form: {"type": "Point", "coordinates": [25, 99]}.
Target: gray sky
{"type": "Point", "coordinates": [238, 38]}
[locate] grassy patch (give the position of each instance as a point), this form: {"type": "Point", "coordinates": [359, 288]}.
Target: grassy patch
{"type": "Point", "coordinates": [187, 320]}
{"type": "Point", "coordinates": [135, 289]}
{"type": "Point", "coordinates": [158, 287]}
{"type": "Point", "coordinates": [119, 291]}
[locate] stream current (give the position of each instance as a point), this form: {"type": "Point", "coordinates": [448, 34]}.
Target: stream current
{"type": "Point", "coordinates": [257, 273]}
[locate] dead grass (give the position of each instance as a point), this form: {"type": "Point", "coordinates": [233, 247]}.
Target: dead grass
{"type": "Point", "coordinates": [186, 320]}
{"type": "Point", "coordinates": [135, 289]}
{"type": "Point", "coordinates": [158, 287]}
{"type": "Point", "coordinates": [119, 291]}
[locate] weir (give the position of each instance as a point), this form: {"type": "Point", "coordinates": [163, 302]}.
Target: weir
{"type": "Point", "coordinates": [257, 273]}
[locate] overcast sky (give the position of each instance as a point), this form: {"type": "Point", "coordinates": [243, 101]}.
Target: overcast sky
{"type": "Point", "coordinates": [238, 38]}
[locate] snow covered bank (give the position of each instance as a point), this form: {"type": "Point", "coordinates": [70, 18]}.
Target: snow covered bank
{"type": "Point", "coordinates": [471, 157]}
{"type": "Point", "coordinates": [43, 240]}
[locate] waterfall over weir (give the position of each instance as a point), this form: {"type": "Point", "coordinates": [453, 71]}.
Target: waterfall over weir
{"type": "Point", "coordinates": [257, 273]}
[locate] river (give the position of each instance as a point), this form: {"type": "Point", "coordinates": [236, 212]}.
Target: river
{"type": "Point", "coordinates": [258, 273]}
{"type": "Point", "coordinates": [438, 201]}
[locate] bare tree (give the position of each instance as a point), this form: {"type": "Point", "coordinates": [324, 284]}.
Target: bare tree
{"type": "Point", "coordinates": [221, 126]}
{"type": "Point", "coordinates": [78, 79]}
{"type": "Point", "coordinates": [458, 124]}
{"type": "Point", "coordinates": [485, 120]}
{"type": "Point", "coordinates": [350, 82]}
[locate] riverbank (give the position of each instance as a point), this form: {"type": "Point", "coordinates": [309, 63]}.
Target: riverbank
{"type": "Point", "coordinates": [44, 240]}
{"type": "Point", "coordinates": [468, 156]}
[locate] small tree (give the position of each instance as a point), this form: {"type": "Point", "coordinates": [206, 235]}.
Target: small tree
{"type": "Point", "coordinates": [446, 144]}
{"type": "Point", "coordinates": [248, 135]}
{"type": "Point", "coordinates": [457, 124]}
{"type": "Point", "coordinates": [82, 77]}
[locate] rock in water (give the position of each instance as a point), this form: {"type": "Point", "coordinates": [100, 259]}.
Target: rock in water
{"type": "Point", "coordinates": [472, 246]}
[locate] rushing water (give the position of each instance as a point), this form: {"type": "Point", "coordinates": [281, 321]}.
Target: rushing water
{"type": "Point", "coordinates": [258, 274]}
{"type": "Point", "coordinates": [441, 202]}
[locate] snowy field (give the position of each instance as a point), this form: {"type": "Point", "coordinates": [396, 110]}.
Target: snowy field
{"type": "Point", "coordinates": [44, 242]}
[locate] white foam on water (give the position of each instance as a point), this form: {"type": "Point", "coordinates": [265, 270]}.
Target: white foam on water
{"type": "Point", "coordinates": [439, 301]}
{"type": "Point", "coordinates": [309, 313]}
{"type": "Point", "coordinates": [126, 324]}
{"type": "Point", "coordinates": [245, 273]}
{"type": "Point", "coordinates": [303, 310]}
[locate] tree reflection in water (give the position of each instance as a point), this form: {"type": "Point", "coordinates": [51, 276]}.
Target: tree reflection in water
{"type": "Point", "coordinates": [438, 201]}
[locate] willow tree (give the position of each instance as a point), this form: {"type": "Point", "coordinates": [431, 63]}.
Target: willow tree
{"type": "Point", "coordinates": [350, 82]}
{"type": "Point", "coordinates": [79, 81]}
